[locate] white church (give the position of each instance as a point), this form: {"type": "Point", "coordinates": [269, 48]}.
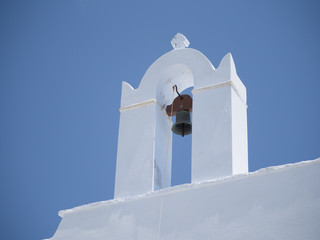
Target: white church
{"type": "Point", "coordinates": [223, 201]}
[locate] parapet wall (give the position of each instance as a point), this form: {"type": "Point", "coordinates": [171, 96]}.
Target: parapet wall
{"type": "Point", "coordinates": [280, 202]}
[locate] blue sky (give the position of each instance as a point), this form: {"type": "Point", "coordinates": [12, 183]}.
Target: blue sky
{"type": "Point", "coordinates": [61, 67]}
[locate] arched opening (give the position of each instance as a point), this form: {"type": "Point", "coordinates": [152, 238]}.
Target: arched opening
{"type": "Point", "coordinates": [181, 154]}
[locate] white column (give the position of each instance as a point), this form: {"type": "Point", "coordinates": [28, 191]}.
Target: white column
{"type": "Point", "coordinates": [219, 125]}
{"type": "Point", "coordinates": [144, 150]}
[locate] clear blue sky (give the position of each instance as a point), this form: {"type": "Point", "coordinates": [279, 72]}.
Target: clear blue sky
{"type": "Point", "coordinates": [61, 67]}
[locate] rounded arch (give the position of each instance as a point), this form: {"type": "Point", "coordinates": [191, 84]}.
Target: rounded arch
{"type": "Point", "coordinates": [183, 67]}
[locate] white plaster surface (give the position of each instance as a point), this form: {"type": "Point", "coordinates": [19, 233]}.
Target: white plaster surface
{"type": "Point", "coordinates": [143, 160]}
{"type": "Point", "coordinates": [179, 67]}
{"type": "Point", "coordinates": [239, 134]}
{"type": "Point", "coordinates": [219, 135]}
{"type": "Point", "coordinates": [212, 134]}
{"type": "Point", "coordinates": [279, 203]}
{"type": "Point", "coordinates": [185, 68]}
{"type": "Point", "coordinates": [163, 151]}
{"type": "Point", "coordinates": [179, 41]}
{"type": "Point", "coordinates": [135, 152]}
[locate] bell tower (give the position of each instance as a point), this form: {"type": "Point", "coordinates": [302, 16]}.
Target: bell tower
{"type": "Point", "coordinates": [219, 124]}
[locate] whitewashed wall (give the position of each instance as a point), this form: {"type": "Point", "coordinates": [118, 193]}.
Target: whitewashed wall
{"type": "Point", "coordinates": [278, 203]}
{"type": "Point", "coordinates": [219, 135]}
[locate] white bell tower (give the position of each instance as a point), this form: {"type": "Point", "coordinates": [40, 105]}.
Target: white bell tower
{"type": "Point", "coordinates": [219, 124]}
{"type": "Point", "coordinates": [278, 196]}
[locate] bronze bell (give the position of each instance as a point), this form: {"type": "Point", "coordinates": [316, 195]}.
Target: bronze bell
{"type": "Point", "coordinates": [181, 108]}
{"type": "Point", "coordinates": [183, 125]}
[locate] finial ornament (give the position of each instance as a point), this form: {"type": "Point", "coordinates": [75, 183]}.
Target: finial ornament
{"type": "Point", "coordinates": [179, 41]}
